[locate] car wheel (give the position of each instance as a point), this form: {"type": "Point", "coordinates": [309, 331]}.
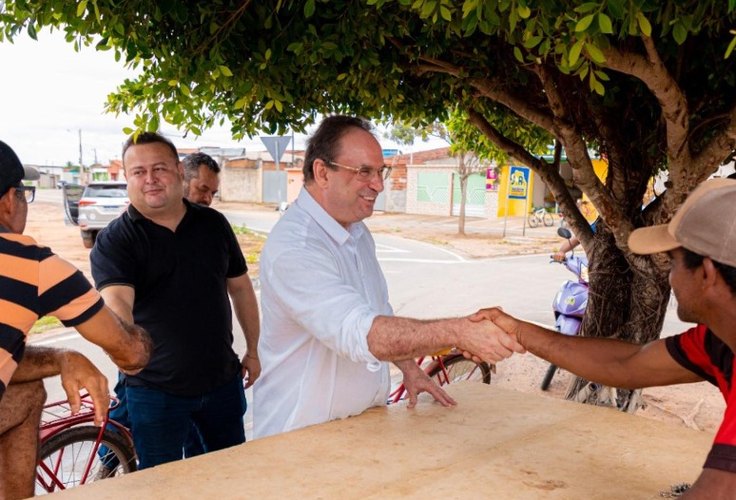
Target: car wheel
{"type": "Point", "coordinates": [88, 238]}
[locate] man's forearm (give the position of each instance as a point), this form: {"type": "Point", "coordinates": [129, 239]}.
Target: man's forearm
{"type": "Point", "coordinates": [245, 305]}
{"type": "Point", "coordinates": [393, 338]}
{"type": "Point", "coordinates": [612, 362]}
{"type": "Point", "coordinates": [38, 363]}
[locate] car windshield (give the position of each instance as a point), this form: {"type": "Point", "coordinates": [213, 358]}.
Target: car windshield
{"type": "Point", "coordinates": [106, 192]}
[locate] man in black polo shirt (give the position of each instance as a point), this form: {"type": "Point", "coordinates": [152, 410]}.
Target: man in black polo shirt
{"type": "Point", "coordinates": [171, 265]}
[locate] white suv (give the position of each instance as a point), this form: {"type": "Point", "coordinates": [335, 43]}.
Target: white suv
{"type": "Point", "coordinates": [101, 202]}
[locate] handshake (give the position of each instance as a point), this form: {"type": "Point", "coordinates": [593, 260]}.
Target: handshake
{"type": "Point", "coordinates": [490, 335]}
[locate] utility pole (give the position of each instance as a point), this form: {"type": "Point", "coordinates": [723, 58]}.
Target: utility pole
{"type": "Point", "coordinates": [82, 175]}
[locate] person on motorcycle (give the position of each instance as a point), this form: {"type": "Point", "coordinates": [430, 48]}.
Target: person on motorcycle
{"type": "Point", "coordinates": [590, 213]}
{"type": "Point", "coordinates": [701, 243]}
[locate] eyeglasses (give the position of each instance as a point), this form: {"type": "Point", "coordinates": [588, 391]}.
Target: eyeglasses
{"type": "Point", "coordinates": [27, 193]}
{"type": "Point", "coordinates": [365, 173]}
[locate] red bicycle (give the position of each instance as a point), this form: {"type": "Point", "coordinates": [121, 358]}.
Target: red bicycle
{"type": "Point", "coordinates": [74, 451]}
{"type": "Point", "coordinates": [447, 367]}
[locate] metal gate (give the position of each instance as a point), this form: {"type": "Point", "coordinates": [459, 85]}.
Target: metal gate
{"type": "Point", "coordinates": [475, 203]}
{"type": "Point", "coordinates": [274, 186]}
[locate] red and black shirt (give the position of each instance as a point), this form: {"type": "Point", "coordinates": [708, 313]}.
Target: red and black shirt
{"type": "Point", "coordinates": [702, 352]}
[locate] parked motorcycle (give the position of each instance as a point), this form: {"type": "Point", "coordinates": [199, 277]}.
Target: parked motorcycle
{"type": "Point", "coordinates": [570, 301]}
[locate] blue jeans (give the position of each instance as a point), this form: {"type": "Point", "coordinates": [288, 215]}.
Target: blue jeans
{"type": "Point", "coordinates": [162, 422]}
{"type": "Point", "coordinates": [192, 447]}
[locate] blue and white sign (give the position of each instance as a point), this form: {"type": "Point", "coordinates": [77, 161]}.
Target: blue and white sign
{"type": "Point", "coordinates": [518, 182]}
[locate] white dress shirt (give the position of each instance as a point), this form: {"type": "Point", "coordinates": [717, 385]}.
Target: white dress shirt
{"type": "Point", "coordinates": [321, 288]}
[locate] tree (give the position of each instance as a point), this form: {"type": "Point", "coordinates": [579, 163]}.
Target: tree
{"type": "Point", "coordinates": [644, 82]}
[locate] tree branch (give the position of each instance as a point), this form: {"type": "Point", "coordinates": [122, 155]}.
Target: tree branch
{"type": "Point", "coordinates": [583, 172]}
{"type": "Point", "coordinates": [719, 147]}
{"type": "Point", "coordinates": [550, 176]}
{"type": "Point", "coordinates": [227, 25]}
{"type": "Point", "coordinates": [655, 75]}
{"type": "Point", "coordinates": [491, 88]}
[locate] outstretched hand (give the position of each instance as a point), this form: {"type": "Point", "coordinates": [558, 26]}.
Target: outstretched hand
{"type": "Point", "coordinates": [505, 322]}
{"type": "Point", "coordinates": [485, 340]}
{"type": "Point", "coordinates": [417, 382]}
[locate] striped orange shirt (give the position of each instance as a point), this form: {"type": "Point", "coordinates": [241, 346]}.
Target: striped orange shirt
{"type": "Point", "coordinates": [35, 282]}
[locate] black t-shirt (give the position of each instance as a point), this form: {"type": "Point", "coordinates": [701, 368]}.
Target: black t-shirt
{"type": "Point", "coordinates": [180, 282]}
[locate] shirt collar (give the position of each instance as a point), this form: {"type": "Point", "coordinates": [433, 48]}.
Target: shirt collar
{"type": "Point", "coordinates": [328, 223]}
{"type": "Point", "coordinates": [136, 216]}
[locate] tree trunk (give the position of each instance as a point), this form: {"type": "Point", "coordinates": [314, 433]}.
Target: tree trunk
{"type": "Point", "coordinates": [463, 196]}
{"type": "Point", "coordinates": [462, 176]}
{"type": "Point", "coordinates": [625, 301]}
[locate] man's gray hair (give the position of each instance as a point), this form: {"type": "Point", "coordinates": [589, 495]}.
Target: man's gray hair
{"type": "Point", "coordinates": [193, 161]}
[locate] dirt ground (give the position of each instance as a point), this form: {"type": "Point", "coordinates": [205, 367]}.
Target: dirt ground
{"type": "Point", "coordinates": [698, 406]}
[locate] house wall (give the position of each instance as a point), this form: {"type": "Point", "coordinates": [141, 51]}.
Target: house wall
{"type": "Point", "coordinates": [429, 189]}
{"type": "Point", "coordinates": [240, 180]}
{"type": "Point", "coordinates": [396, 190]}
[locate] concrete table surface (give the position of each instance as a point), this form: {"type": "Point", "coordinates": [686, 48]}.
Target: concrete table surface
{"type": "Point", "coordinates": [495, 443]}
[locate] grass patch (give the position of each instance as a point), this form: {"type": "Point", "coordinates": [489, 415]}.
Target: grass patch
{"type": "Point", "coordinates": [44, 324]}
{"type": "Point", "coordinates": [241, 229]}
{"type": "Point", "coordinates": [251, 243]}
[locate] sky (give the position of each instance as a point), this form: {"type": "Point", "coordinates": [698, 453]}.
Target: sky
{"type": "Point", "coordinates": [49, 92]}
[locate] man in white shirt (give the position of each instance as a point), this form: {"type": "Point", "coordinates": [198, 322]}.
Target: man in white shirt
{"type": "Point", "coordinates": [328, 329]}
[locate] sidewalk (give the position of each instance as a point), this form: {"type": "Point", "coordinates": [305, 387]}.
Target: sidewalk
{"type": "Point", "coordinates": [483, 237]}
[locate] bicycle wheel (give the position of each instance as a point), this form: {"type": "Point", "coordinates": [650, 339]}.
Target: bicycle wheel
{"type": "Point", "coordinates": [548, 220]}
{"type": "Point", "coordinates": [70, 458]}
{"type": "Point", "coordinates": [533, 220]}
{"type": "Point", "coordinates": [454, 367]}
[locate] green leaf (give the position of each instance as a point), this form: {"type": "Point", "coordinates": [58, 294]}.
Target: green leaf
{"type": "Point", "coordinates": [241, 103]}
{"type": "Point", "coordinates": [309, 9]}
{"type": "Point", "coordinates": [471, 5]}
{"type": "Point", "coordinates": [295, 47]}
{"type": "Point", "coordinates": [427, 9]}
{"type": "Point", "coordinates": [730, 48]}
{"type": "Point", "coordinates": [524, 11]}
{"type": "Point", "coordinates": [586, 7]}
{"type": "Point", "coordinates": [279, 107]}
{"type": "Point", "coordinates": [81, 8]}
{"type": "Point", "coordinates": [595, 53]}
{"type": "Point", "coordinates": [445, 13]}
{"type": "Point", "coordinates": [679, 33]}
{"type": "Point", "coordinates": [128, 130]}
{"type": "Point", "coordinates": [574, 54]}
{"type": "Point", "coordinates": [185, 90]}
{"type": "Point", "coordinates": [599, 88]}
{"type": "Point", "coordinates": [225, 70]}
{"type": "Point", "coordinates": [173, 83]}
{"type": "Point", "coordinates": [32, 31]}
{"type": "Point", "coordinates": [518, 55]}
{"type": "Point", "coordinates": [532, 42]}
{"type": "Point", "coordinates": [604, 23]}
{"type": "Point", "coordinates": [602, 75]}
{"type": "Point", "coordinates": [584, 23]}
{"type": "Point", "coordinates": [644, 24]}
